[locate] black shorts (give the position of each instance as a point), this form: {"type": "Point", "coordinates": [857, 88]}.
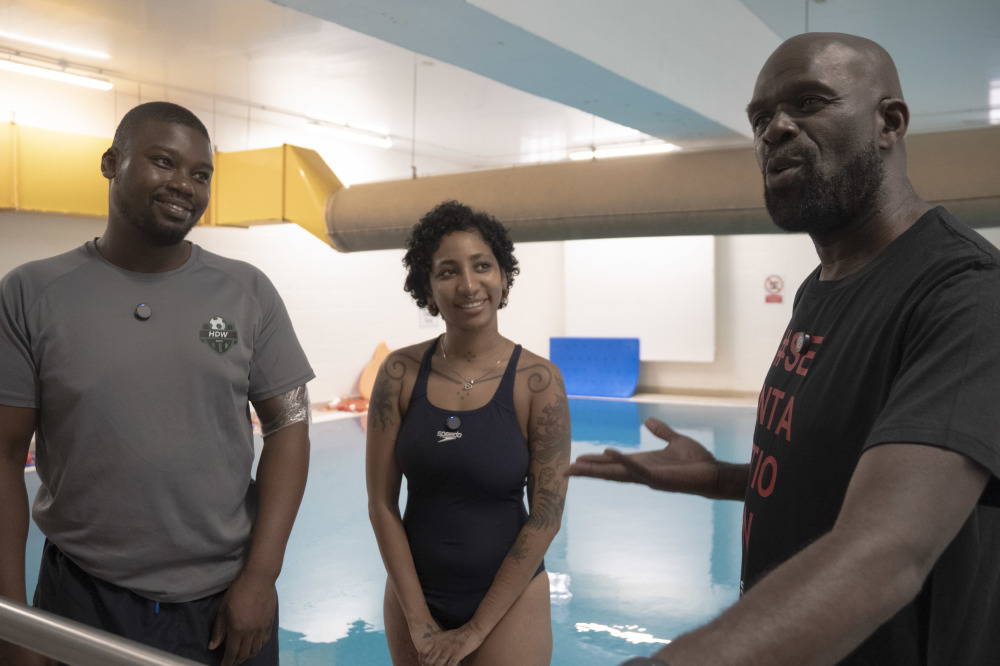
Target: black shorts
{"type": "Point", "coordinates": [182, 629]}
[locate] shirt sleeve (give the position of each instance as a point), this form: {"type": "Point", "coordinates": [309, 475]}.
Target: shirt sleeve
{"type": "Point", "coordinates": [946, 391]}
{"type": "Point", "coordinates": [19, 385]}
{"type": "Point", "coordinates": [279, 364]}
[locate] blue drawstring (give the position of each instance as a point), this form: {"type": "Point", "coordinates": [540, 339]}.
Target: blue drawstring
{"type": "Point", "coordinates": [157, 607]}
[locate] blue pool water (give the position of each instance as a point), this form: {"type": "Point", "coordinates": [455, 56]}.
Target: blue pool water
{"type": "Point", "coordinates": [630, 568]}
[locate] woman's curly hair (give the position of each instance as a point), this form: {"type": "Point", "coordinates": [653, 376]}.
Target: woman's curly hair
{"type": "Point", "coordinates": [425, 239]}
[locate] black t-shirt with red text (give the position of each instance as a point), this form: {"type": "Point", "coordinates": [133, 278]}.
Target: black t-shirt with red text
{"type": "Point", "coordinates": [905, 351]}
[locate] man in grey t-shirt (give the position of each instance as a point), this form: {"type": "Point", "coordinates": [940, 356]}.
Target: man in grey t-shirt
{"type": "Point", "coordinates": [133, 361]}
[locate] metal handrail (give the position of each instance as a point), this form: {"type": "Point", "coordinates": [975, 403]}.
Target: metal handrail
{"type": "Point", "coordinates": [75, 643]}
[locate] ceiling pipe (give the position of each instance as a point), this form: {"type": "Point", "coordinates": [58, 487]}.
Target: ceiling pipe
{"type": "Point", "coordinates": [710, 192]}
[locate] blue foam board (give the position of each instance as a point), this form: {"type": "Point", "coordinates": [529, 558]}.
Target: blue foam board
{"type": "Point", "coordinates": [606, 367]}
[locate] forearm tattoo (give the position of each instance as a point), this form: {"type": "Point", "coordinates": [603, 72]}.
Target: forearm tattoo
{"type": "Point", "coordinates": [431, 630]}
{"type": "Point", "coordinates": [547, 503]}
{"type": "Point", "coordinates": [519, 550]}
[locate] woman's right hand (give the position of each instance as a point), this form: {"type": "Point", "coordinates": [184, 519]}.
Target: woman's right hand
{"type": "Point", "coordinates": [437, 647]}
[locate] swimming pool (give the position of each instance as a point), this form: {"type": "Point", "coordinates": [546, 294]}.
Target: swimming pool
{"type": "Point", "coordinates": [630, 568]}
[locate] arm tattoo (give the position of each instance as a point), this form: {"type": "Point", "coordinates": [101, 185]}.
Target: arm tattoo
{"type": "Point", "coordinates": [380, 405]}
{"type": "Point", "coordinates": [519, 550]}
{"type": "Point", "coordinates": [550, 451]}
{"type": "Point", "coordinates": [547, 504]}
{"type": "Point", "coordinates": [550, 432]}
{"type": "Point", "coordinates": [546, 509]}
{"type": "Point", "coordinates": [540, 378]}
{"type": "Point", "coordinates": [385, 393]}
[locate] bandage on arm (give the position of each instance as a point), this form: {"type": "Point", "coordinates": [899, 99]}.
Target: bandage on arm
{"type": "Point", "coordinates": [291, 407]}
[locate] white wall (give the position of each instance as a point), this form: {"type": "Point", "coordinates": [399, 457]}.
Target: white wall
{"type": "Point", "coordinates": [748, 329]}
{"type": "Point", "coordinates": [660, 290]}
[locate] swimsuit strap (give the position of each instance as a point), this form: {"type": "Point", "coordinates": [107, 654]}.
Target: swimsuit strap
{"type": "Point", "coordinates": [420, 385]}
{"type": "Point", "coordinates": [505, 392]}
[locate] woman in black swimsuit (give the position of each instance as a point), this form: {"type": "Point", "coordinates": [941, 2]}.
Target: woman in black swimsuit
{"type": "Point", "coordinates": [470, 419]}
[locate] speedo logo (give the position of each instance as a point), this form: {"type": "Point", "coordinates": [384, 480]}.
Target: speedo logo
{"type": "Point", "coordinates": [447, 436]}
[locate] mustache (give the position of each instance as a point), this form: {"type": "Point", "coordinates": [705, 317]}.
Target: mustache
{"type": "Point", "coordinates": [790, 154]}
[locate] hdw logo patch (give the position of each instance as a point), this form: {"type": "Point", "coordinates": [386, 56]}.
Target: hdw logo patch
{"type": "Point", "coordinates": [219, 334]}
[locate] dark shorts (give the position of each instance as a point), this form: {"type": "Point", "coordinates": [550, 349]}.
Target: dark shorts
{"type": "Point", "coordinates": [182, 629]}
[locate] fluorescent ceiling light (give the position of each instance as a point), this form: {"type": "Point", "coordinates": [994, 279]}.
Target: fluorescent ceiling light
{"type": "Point", "coordinates": [624, 151]}
{"type": "Point", "coordinates": [350, 133]}
{"type": "Point", "coordinates": [55, 75]}
{"type": "Point", "coordinates": [55, 46]}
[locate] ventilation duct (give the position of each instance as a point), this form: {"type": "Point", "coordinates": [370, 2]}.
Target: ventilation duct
{"type": "Point", "coordinates": [49, 171]}
{"type": "Point", "coordinates": [711, 192]}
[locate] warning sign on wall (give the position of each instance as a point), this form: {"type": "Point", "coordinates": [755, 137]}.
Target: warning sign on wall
{"type": "Point", "coordinates": [773, 285]}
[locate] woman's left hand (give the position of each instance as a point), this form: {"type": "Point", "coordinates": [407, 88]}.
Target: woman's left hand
{"type": "Point", "coordinates": [449, 648]}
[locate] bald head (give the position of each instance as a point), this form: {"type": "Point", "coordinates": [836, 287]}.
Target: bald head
{"type": "Point", "coordinates": [862, 57]}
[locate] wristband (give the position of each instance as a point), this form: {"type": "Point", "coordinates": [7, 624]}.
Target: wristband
{"type": "Point", "coordinates": [294, 408]}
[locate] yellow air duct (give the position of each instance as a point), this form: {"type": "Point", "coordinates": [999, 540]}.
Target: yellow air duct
{"type": "Point", "coordinates": [45, 170]}
{"type": "Point", "coordinates": [56, 172]}
{"type": "Point", "coordinates": [7, 166]}
{"type": "Point", "coordinates": [282, 184]}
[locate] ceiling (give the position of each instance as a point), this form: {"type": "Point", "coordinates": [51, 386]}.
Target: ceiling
{"type": "Point", "coordinates": [465, 85]}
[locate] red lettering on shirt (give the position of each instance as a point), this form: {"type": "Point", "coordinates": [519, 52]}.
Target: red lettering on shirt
{"type": "Point", "coordinates": [781, 349]}
{"type": "Point", "coordinates": [771, 464]}
{"type": "Point", "coordinates": [759, 466]}
{"type": "Point", "coordinates": [792, 359]}
{"type": "Point", "coordinates": [754, 465]}
{"type": "Point", "coordinates": [778, 395]}
{"type": "Point", "coordinates": [815, 342]}
{"type": "Point", "coordinates": [747, 523]}
{"type": "Point", "coordinates": [785, 423]}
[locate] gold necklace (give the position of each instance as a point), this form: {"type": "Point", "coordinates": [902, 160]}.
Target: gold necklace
{"type": "Point", "coordinates": [469, 382]}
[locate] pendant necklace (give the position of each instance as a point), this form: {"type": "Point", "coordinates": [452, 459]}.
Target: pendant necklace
{"type": "Point", "coordinates": [469, 382]}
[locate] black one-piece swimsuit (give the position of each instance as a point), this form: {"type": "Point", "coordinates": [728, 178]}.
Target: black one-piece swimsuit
{"type": "Point", "coordinates": [465, 477]}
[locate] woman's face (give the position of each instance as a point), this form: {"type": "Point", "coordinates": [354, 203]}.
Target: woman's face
{"type": "Point", "coordinates": [466, 281]}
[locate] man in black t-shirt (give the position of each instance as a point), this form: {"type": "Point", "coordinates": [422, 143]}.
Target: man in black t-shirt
{"type": "Point", "coordinates": [870, 531]}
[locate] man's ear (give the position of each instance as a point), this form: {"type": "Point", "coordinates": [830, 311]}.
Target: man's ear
{"type": "Point", "coordinates": [894, 119]}
{"type": "Point", "coordinates": [109, 163]}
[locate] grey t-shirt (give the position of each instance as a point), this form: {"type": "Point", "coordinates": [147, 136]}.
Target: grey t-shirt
{"type": "Point", "coordinates": [144, 447]}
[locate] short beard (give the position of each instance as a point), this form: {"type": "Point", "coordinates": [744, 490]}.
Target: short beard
{"type": "Point", "coordinates": [165, 236]}
{"type": "Point", "coordinates": [827, 204]}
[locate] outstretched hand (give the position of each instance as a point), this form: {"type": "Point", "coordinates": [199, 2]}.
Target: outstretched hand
{"type": "Point", "coordinates": [682, 466]}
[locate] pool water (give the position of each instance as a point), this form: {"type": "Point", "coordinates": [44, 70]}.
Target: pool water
{"type": "Point", "coordinates": [630, 569]}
